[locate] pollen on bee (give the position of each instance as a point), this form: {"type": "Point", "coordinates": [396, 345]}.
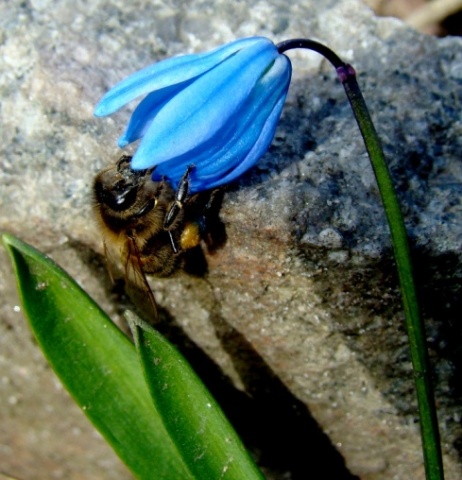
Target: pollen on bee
{"type": "Point", "coordinates": [190, 236]}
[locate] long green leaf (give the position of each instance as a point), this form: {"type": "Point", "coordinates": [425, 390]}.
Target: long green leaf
{"type": "Point", "coordinates": [205, 439]}
{"type": "Point", "coordinates": [96, 362]}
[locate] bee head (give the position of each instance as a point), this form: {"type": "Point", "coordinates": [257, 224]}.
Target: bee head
{"type": "Point", "coordinates": [117, 187]}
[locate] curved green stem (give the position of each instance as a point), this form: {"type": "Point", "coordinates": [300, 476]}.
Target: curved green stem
{"type": "Point", "coordinates": [414, 324]}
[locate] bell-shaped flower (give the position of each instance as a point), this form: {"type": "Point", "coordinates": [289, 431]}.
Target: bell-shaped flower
{"type": "Point", "coordinates": [216, 111]}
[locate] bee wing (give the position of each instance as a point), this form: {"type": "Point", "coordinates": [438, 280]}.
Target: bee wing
{"type": "Point", "coordinates": [137, 286]}
{"type": "Point", "coordinates": [112, 263]}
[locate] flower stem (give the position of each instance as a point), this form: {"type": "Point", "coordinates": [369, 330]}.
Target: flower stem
{"type": "Point", "coordinates": [414, 324]}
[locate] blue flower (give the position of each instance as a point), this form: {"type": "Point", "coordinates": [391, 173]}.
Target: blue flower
{"type": "Point", "coordinates": [217, 111]}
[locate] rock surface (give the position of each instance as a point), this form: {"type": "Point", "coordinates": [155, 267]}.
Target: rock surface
{"type": "Point", "coordinates": [300, 306]}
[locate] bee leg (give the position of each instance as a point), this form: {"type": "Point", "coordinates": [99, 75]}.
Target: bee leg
{"type": "Point", "coordinates": [213, 231]}
{"type": "Point", "coordinates": [180, 196]}
{"type": "Point", "coordinates": [172, 242]}
{"type": "Point", "coordinates": [177, 205]}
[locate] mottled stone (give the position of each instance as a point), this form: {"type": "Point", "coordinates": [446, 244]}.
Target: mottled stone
{"type": "Point", "coordinates": [300, 307]}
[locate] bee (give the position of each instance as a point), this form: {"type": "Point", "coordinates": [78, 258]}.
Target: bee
{"type": "Point", "coordinates": [147, 226]}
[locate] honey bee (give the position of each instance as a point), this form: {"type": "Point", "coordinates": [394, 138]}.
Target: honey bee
{"type": "Point", "coordinates": [147, 226]}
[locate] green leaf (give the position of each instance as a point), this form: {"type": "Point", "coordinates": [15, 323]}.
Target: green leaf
{"type": "Point", "coordinates": [96, 362]}
{"type": "Point", "coordinates": [203, 436]}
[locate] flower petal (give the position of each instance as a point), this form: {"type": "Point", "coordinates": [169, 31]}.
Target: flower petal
{"type": "Point", "coordinates": [165, 73]}
{"type": "Point", "coordinates": [228, 154]}
{"type": "Point", "coordinates": [257, 151]}
{"type": "Point", "coordinates": [197, 113]}
{"type": "Point", "coordinates": [146, 110]}
{"type": "Point", "coordinates": [251, 119]}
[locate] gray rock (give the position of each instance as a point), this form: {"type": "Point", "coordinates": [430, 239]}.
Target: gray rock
{"type": "Point", "coordinates": [300, 307]}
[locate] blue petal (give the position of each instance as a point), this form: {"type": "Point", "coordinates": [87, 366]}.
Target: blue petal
{"type": "Point", "coordinates": [198, 113]}
{"type": "Point", "coordinates": [146, 110]}
{"type": "Point", "coordinates": [250, 121]}
{"type": "Point", "coordinates": [257, 151]}
{"type": "Point", "coordinates": [165, 73]}
{"type": "Point", "coordinates": [230, 155]}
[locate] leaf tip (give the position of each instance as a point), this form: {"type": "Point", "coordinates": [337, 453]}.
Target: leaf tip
{"type": "Point", "coordinates": [8, 241]}
{"type": "Point", "coordinates": [135, 323]}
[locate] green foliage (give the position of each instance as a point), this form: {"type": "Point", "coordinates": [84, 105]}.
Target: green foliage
{"type": "Point", "coordinates": [159, 432]}
{"type": "Point", "coordinates": [205, 439]}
